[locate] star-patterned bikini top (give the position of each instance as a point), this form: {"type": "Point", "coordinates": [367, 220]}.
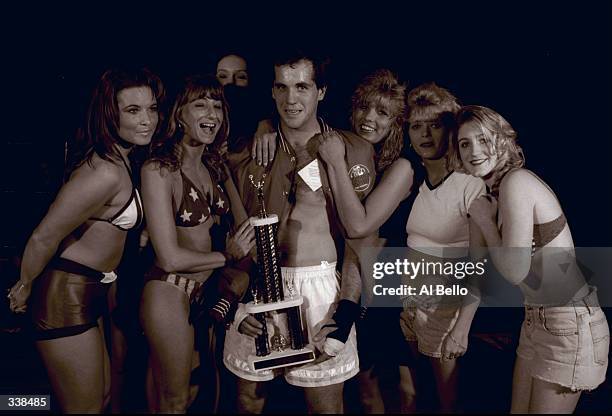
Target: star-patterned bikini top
{"type": "Point", "coordinates": [195, 208]}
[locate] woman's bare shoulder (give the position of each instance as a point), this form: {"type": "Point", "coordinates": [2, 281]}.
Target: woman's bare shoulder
{"type": "Point", "coordinates": [522, 181]}
{"type": "Point", "coordinates": [158, 168]}
{"type": "Point", "coordinates": [99, 170]}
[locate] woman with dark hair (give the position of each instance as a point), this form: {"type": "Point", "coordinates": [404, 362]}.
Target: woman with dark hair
{"type": "Point", "coordinates": [437, 229]}
{"type": "Point", "coordinates": [186, 190]}
{"type": "Point", "coordinates": [69, 261]}
{"type": "Point", "coordinates": [232, 69]}
{"type": "Point", "coordinates": [564, 342]}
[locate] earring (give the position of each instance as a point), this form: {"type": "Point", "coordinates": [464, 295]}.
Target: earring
{"type": "Point", "coordinates": [180, 126]}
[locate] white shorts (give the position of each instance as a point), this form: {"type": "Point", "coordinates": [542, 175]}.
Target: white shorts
{"type": "Point", "coordinates": [320, 288]}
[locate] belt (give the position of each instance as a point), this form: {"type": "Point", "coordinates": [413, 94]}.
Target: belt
{"type": "Point", "coordinates": [71, 266]}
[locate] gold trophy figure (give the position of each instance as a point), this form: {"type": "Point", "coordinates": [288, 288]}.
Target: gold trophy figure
{"type": "Point", "coordinates": [278, 350]}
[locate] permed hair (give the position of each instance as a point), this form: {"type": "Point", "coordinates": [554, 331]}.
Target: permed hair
{"type": "Point", "coordinates": [384, 84]}
{"type": "Point", "coordinates": [501, 141]}
{"type": "Point", "coordinates": [166, 151]}
{"type": "Point", "coordinates": [429, 101]}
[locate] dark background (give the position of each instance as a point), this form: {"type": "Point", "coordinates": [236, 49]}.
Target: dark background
{"type": "Point", "coordinates": [545, 67]}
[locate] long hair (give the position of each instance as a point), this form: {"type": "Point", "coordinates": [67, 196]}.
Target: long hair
{"type": "Point", "coordinates": [166, 150]}
{"type": "Point", "coordinates": [101, 130]}
{"type": "Point", "coordinates": [501, 141]}
{"type": "Point", "coordinates": [384, 84]}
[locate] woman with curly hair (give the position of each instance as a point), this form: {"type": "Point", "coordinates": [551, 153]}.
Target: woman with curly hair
{"type": "Point", "coordinates": [378, 115]}
{"type": "Point", "coordinates": [69, 261]}
{"type": "Point", "coordinates": [186, 190]}
{"type": "Point", "coordinates": [564, 342]}
{"type": "Point", "coordinates": [437, 228]}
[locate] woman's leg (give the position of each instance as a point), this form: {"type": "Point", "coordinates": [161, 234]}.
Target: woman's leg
{"type": "Point", "coordinates": [407, 390]}
{"type": "Point", "coordinates": [551, 398]}
{"type": "Point", "coordinates": [194, 388]}
{"type": "Point", "coordinates": [118, 353]}
{"type": "Point", "coordinates": [164, 314]}
{"type": "Point", "coordinates": [76, 367]}
{"type": "Point", "coordinates": [107, 366]}
{"type": "Point", "coordinates": [521, 387]}
{"type": "Point", "coordinates": [151, 391]}
{"type": "Point", "coordinates": [369, 392]}
{"type": "Point", "coordinates": [445, 374]}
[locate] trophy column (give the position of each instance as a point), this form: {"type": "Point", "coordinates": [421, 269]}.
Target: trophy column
{"type": "Point", "coordinates": [268, 295]}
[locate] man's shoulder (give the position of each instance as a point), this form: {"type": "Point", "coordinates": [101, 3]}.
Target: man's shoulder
{"type": "Point", "coordinates": [242, 164]}
{"type": "Point", "coordinates": [360, 159]}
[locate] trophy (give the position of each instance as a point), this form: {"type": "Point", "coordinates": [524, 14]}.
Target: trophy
{"type": "Point", "coordinates": [280, 349]}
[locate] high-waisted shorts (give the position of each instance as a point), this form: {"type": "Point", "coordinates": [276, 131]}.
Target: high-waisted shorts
{"type": "Point", "coordinates": [67, 299]}
{"type": "Point", "coordinates": [320, 288]}
{"type": "Point", "coordinates": [566, 345]}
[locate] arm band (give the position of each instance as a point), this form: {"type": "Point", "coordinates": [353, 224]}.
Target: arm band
{"type": "Point", "coordinates": [345, 316]}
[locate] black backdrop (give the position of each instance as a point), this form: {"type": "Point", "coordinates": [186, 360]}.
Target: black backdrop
{"type": "Point", "coordinates": [545, 67]}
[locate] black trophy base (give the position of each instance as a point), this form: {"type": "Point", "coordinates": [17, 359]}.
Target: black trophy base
{"type": "Point", "coordinates": [277, 359]}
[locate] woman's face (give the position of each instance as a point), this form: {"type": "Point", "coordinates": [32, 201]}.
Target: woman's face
{"type": "Point", "coordinates": [372, 120]}
{"type": "Point", "coordinates": [232, 69]}
{"type": "Point", "coordinates": [201, 119]}
{"type": "Point", "coordinates": [429, 137]}
{"type": "Point", "coordinates": [138, 115]}
{"type": "Point", "coordinates": [475, 149]}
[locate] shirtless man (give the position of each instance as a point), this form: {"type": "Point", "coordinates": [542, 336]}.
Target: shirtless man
{"type": "Point", "coordinates": [311, 241]}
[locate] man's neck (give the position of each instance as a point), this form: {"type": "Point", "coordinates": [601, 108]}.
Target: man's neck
{"type": "Point", "coordinates": [298, 138]}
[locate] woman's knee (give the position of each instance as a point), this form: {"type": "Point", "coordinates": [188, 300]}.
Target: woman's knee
{"type": "Point", "coordinates": [407, 389]}
{"type": "Point", "coordinates": [174, 401]}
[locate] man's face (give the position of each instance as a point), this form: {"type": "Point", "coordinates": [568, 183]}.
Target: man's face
{"type": "Point", "coordinates": [296, 94]}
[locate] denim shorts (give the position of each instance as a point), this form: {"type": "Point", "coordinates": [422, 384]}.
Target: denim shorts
{"type": "Point", "coordinates": [566, 345]}
{"type": "Point", "coordinates": [429, 325]}
{"type": "Point", "coordinates": [320, 288]}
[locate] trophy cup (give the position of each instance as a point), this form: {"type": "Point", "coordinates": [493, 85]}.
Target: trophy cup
{"type": "Point", "coordinates": [278, 350]}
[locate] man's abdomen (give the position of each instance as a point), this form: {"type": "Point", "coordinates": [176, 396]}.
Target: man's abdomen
{"type": "Point", "coordinates": [305, 238]}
